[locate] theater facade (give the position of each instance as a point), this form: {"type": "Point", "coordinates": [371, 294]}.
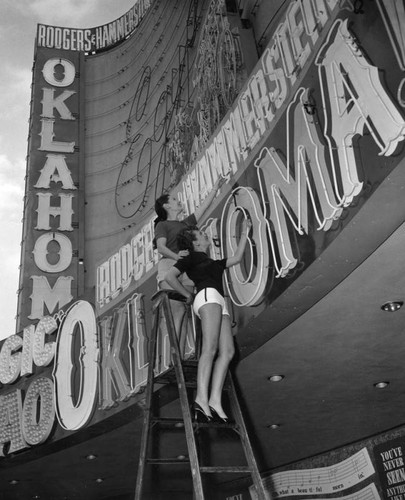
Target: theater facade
{"type": "Point", "coordinates": [300, 105]}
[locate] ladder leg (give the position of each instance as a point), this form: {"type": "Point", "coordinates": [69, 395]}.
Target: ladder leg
{"type": "Point", "coordinates": [162, 312]}
{"type": "Point", "coordinates": [147, 410]}
{"type": "Point", "coordinates": [262, 493]}
{"type": "Point", "coordinates": [185, 408]}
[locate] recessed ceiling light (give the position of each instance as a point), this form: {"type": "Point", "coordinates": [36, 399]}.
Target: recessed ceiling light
{"type": "Point", "coordinates": [99, 480]}
{"type": "Point", "coordinates": [91, 457]}
{"type": "Point", "coordinates": [273, 426]}
{"type": "Point", "coordinates": [381, 385]}
{"type": "Point", "coordinates": [275, 378]}
{"type": "Point", "coordinates": [392, 305]}
{"type": "Point", "coordinates": [181, 457]}
{"type": "Point", "coordinates": [13, 481]}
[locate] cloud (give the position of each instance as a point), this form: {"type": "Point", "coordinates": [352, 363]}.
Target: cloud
{"type": "Point", "coordinates": [11, 189]}
{"type": "Point", "coordinates": [15, 89]}
{"type": "Point", "coordinates": [11, 209]}
{"type": "Point", "coordinates": [66, 13]}
{"type": "Point", "coordinates": [15, 94]}
{"type": "Point", "coordinates": [79, 13]}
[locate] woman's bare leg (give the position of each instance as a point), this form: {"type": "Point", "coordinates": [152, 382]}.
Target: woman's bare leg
{"type": "Point", "coordinates": [226, 352]}
{"type": "Point", "coordinates": [211, 318]}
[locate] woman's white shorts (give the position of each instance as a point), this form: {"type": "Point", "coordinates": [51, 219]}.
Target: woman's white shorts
{"type": "Point", "coordinates": [209, 296]}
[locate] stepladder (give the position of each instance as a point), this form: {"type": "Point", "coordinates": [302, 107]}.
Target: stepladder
{"type": "Point", "coordinates": [206, 452]}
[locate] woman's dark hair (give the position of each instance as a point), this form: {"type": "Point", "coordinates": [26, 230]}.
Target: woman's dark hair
{"type": "Point", "coordinates": [161, 212]}
{"type": "Point", "coordinates": [159, 209]}
{"type": "Point", "coordinates": [186, 237]}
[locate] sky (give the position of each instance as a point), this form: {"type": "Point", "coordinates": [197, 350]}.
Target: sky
{"type": "Point", "coordinates": [18, 22]}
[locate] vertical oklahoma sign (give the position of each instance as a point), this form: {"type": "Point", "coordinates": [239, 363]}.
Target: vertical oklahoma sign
{"type": "Point", "coordinates": [50, 247]}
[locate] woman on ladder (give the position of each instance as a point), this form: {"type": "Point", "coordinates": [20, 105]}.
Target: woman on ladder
{"type": "Point", "coordinates": [209, 304]}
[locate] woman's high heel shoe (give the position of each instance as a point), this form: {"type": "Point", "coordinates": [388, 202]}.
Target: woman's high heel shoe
{"type": "Point", "coordinates": [218, 418]}
{"type": "Point", "coordinates": [199, 414]}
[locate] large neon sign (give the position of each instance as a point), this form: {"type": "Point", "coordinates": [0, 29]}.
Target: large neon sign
{"type": "Point", "coordinates": [109, 362]}
{"type": "Point", "coordinates": [21, 424]}
{"type": "Point", "coordinates": [93, 39]}
{"type": "Point", "coordinates": [50, 275]}
{"type": "Point", "coordinates": [311, 177]}
{"type": "Point", "coordinates": [54, 171]}
{"type": "Point", "coordinates": [323, 178]}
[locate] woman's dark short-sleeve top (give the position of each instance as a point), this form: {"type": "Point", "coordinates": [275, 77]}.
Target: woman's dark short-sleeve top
{"type": "Point", "coordinates": [204, 271]}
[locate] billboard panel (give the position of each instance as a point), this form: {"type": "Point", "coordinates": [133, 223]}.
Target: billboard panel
{"type": "Point", "coordinates": [304, 142]}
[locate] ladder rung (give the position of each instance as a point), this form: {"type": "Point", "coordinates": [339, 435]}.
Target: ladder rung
{"type": "Point", "coordinates": [167, 461]}
{"type": "Point", "coordinates": [217, 425]}
{"type": "Point", "coordinates": [172, 294]}
{"type": "Point", "coordinates": [168, 421]}
{"type": "Point", "coordinates": [190, 363]}
{"type": "Point", "coordinates": [229, 468]}
{"type": "Point", "coordinates": [191, 384]}
{"type": "Point", "coordinates": [175, 422]}
{"type": "Point", "coordinates": [166, 380]}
